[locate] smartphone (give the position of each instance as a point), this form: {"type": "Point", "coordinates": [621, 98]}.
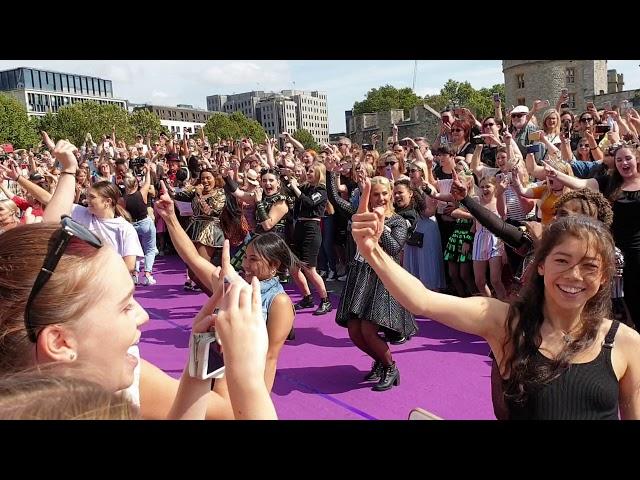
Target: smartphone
{"type": "Point", "coordinates": [388, 172]}
{"type": "Point", "coordinates": [205, 356]}
{"type": "Point", "coordinates": [367, 146]}
{"type": "Point", "coordinates": [496, 97]}
{"type": "Point", "coordinates": [535, 148]}
{"type": "Point", "coordinates": [404, 143]}
{"type": "Point", "coordinates": [602, 128]}
{"type": "Point", "coordinates": [534, 136]}
{"type": "Point", "coordinates": [590, 105]}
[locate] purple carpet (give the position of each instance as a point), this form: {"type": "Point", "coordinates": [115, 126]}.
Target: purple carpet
{"type": "Point", "coordinates": [320, 373]}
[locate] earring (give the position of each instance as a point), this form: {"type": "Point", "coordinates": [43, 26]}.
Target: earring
{"type": "Point", "coordinates": [72, 356]}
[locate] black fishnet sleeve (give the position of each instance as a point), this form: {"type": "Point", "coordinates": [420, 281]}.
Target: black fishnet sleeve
{"type": "Point", "coordinates": [510, 234]}
{"type": "Point", "coordinates": [335, 198]}
{"type": "Point", "coordinates": [394, 235]}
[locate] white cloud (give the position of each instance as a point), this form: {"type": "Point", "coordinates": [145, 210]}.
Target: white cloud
{"type": "Point", "coordinates": [159, 94]}
{"type": "Point", "coordinates": [238, 73]}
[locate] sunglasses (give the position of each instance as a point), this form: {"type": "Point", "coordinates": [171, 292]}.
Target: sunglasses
{"type": "Point", "coordinates": [584, 146]}
{"type": "Point", "coordinates": [586, 119]}
{"type": "Point", "coordinates": [58, 244]}
{"type": "Point", "coordinates": [390, 163]}
{"type": "Point", "coordinates": [398, 151]}
{"type": "Point", "coordinates": [488, 125]}
{"type": "Point", "coordinates": [342, 145]}
{"type": "Point", "coordinates": [517, 115]}
{"type": "Point", "coordinates": [156, 144]}
{"type": "Point", "coordinates": [411, 170]}
{"type": "Point", "coordinates": [457, 130]}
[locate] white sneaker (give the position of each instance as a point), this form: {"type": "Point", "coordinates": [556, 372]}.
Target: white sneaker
{"type": "Point", "coordinates": [148, 280]}
{"type": "Point", "coordinates": [134, 277]}
{"type": "Point", "coordinates": [332, 275]}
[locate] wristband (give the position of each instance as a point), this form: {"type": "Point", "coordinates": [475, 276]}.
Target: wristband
{"type": "Point", "coordinates": [64, 172]}
{"type": "Point", "coordinates": [261, 212]}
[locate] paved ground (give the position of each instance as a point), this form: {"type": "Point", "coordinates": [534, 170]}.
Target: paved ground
{"type": "Point", "coordinates": [320, 372]}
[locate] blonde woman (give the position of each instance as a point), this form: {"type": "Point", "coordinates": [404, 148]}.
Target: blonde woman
{"type": "Point", "coordinates": [365, 306]}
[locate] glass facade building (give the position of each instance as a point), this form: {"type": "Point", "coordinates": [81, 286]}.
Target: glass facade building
{"type": "Point", "coordinates": [46, 91]}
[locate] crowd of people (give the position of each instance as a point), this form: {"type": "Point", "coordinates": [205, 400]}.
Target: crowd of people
{"type": "Point", "coordinates": [522, 227]}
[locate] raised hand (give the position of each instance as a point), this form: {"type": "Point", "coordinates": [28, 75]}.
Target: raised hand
{"type": "Point", "coordinates": [9, 173]}
{"type": "Point", "coordinates": [549, 171]}
{"type": "Point", "coordinates": [258, 194]}
{"type": "Point", "coordinates": [458, 189]}
{"type": "Point", "coordinates": [64, 153]}
{"type": "Point", "coordinates": [242, 331]}
{"type": "Point", "coordinates": [164, 205]}
{"type": "Point", "coordinates": [367, 226]}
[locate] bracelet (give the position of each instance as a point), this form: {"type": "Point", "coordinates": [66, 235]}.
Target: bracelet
{"type": "Point", "coordinates": [68, 173]}
{"type": "Point", "coordinates": [595, 148]}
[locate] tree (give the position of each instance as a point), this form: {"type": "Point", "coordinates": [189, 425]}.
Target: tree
{"type": "Point", "coordinates": [462, 94]}
{"type": "Point", "coordinates": [233, 126]}
{"type": "Point", "coordinates": [306, 139]}
{"type": "Point", "coordinates": [387, 98]}
{"type": "Point", "coordinates": [143, 122]}
{"type": "Point", "coordinates": [75, 121]}
{"type": "Point", "coordinates": [15, 126]}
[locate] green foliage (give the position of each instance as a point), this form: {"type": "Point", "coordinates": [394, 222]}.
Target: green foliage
{"type": "Point", "coordinates": [306, 139]}
{"type": "Point", "coordinates": [234, 126]}
{"type": "Point", "coordinates": [462, 94]}
{"type": "Point", "coordinates": [73, 122]}
{"type": "Point", "coordinates": [15, 126]}
{"type": "Point", "coordinates": [144, 122]}
{"type": "Point", "coordinates": [387, 98]}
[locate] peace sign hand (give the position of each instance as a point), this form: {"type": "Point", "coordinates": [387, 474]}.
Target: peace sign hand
{"type": "Point", "coordinates": [367, 226]}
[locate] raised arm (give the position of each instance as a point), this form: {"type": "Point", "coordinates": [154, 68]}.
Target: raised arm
{"type": "Point", "coordinates": [335, 198]}
{"type": "Point", "coordinates": [296, 144]}
{"type": "Point", "coordinates": [62, 200]}
{"type": "Point", "coordinates": [569, 181]}
{"type": "Point", "coordinates": [533, 168]}
{"type": "Point", "coordinates": [181, 241]}
{"type": "Point", "coordinates": [475, 161]}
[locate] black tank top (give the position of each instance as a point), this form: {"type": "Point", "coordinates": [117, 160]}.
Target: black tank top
{"type": "Point", "coordinates": [136, 206]}
{"type": "Point", "coordinates": [583, 391]}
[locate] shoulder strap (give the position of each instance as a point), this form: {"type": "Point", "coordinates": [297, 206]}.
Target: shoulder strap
{"type": "Point", "coordinates": [608, 340]}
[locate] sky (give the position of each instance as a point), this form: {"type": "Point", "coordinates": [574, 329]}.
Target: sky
{"type": "Point", "coordinates": [168, 82]}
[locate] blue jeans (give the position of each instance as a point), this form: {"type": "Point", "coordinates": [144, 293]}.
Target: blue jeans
{"type": "Point", "coordinates": [326, 258]}
{"type": "Point", "coordinates": [146, 230]}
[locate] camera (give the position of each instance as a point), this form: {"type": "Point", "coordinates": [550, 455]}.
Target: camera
{"type": "Point", "coordinates": [367, 146]}
{"type": "Point", "coordinates": [205, 356]}
{"type": "Point", "coordinates": [137, 164]}
{"type": "Point", "coordinates": [602, 128]}
{"type": "Point", "coordinates": [404, 143]}
{"type": "Point", "coordinates": [477, 140]}
{"type": "Point", "coordinates": [496, 97]}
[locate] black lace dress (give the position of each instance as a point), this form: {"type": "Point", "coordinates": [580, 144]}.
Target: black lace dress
{"type": "Point", "coordinates": [364, 295]}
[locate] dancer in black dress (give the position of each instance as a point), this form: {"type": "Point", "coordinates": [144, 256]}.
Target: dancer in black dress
{"type": "Point", "coordinates": [366, 307]}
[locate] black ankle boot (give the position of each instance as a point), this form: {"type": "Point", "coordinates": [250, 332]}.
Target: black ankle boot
{"type": "Point", "coordinates": [390, 376]}
{"type": "Point", "coordinates": [306, 302]}
{"type": "Point", "coordinates": [325, 307]}
{"type": "Point", "coordinates": [375, 373]}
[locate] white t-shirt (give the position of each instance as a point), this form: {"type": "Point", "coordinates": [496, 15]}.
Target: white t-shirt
{"type": "Point", "coordinates": [116, 232]}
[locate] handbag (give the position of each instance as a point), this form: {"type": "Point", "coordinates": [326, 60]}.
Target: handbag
{"type": "Point", "coordinates": [415, 239]}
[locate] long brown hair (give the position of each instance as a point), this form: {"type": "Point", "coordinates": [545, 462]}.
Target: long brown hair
{"type": "Point", "coordinates": [109, 191]}
{"type": "Point", "coordinates": [526, 314]}
{"type": "Point", "coordinates": [65, 296]}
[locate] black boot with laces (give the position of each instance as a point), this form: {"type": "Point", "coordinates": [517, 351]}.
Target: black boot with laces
{"type": "Point", "coordinates": [390, 377]}
{"type": "Point", "coordinates": [375, 373]}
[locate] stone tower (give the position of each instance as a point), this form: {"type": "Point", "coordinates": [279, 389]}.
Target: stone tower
{"type": "Point", "coordinates": [528, 80]}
